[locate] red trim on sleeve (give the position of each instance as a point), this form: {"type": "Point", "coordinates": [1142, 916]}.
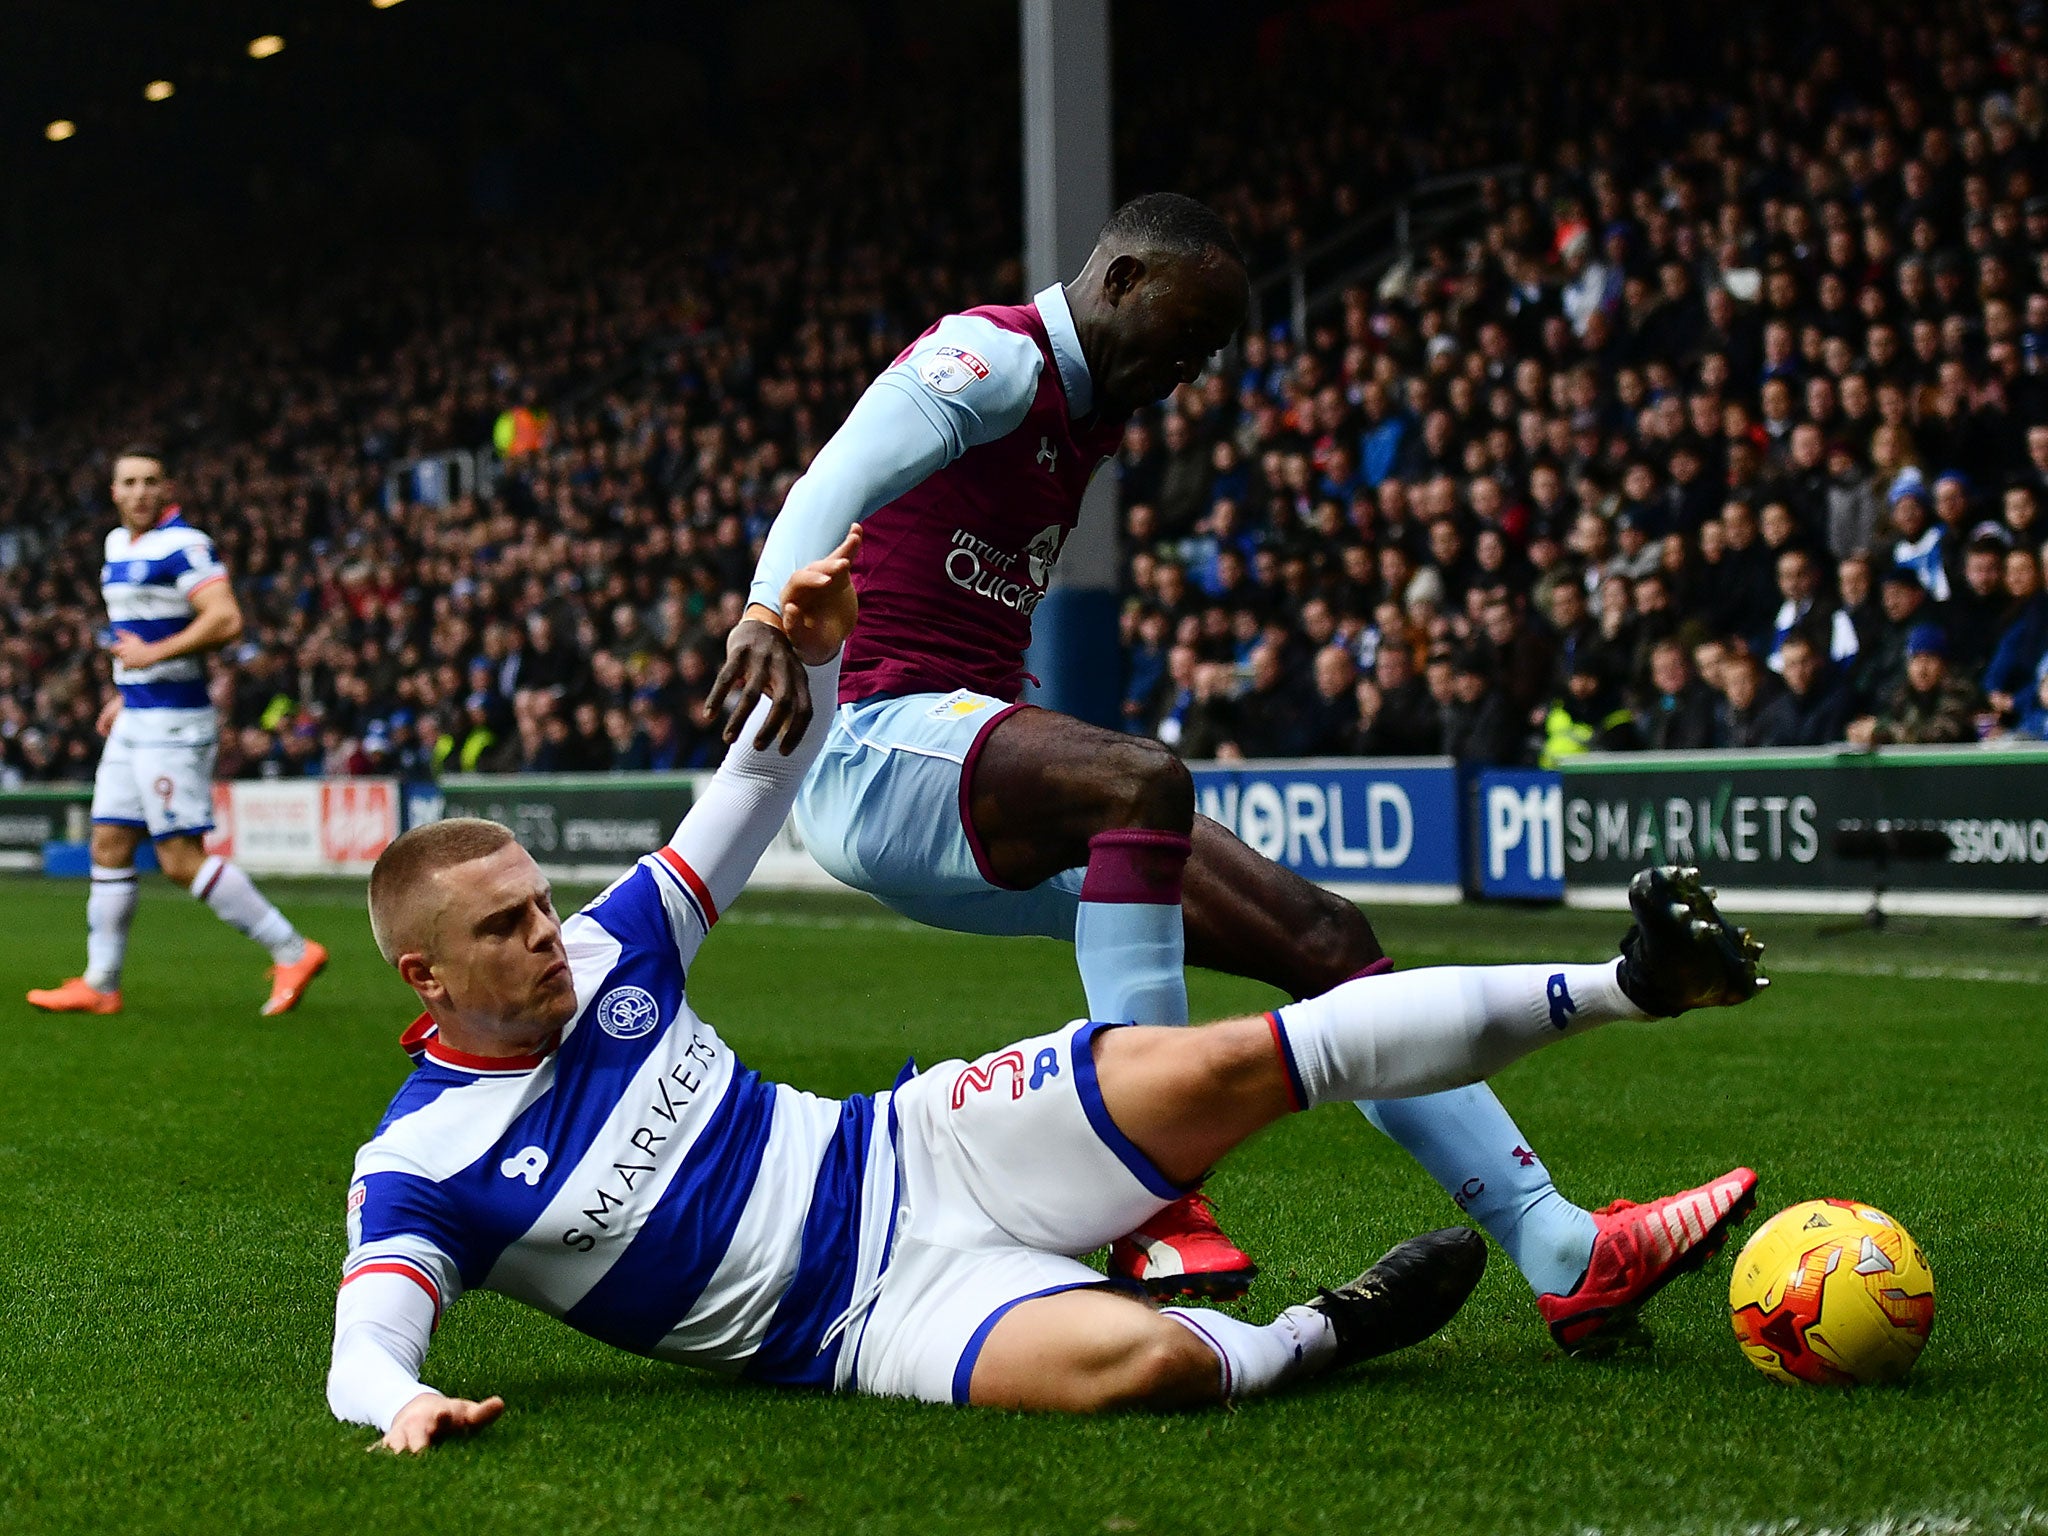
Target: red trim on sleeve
{"type": "Point", "coordinates": [417, 1276]}
{"type": "Point", "coordinates": [202, 585]}
{"type": "Point", "coordinates": [690, 878]}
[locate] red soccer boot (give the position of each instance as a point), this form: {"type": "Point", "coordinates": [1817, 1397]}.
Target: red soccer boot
{"type": "Point", "coordinates": [1640, 1250]}
{"type": "Point", "coordinates": [1182, 1252]}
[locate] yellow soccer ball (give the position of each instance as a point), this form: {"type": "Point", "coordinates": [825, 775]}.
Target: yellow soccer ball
{"type": "Point", "coordinates": [1833, 1293]}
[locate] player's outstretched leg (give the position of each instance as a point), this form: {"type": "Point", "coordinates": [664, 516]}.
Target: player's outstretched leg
{"type": "Point", "coordinates": [1048, 793]}
{"type": "Point", "coordinates": [232, 896]}
{"type": "Point", "coordinates": [1093, 1351]}
{"type": "Point", "coordinates": [1250, 916]}
{"type": "Point", "coordinates": [1680, 953]}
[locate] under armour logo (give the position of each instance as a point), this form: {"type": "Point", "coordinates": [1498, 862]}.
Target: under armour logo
{"type": "Point", "coordinates": [1525, 1157]}
{"type": "Point", "coordinates": [1560, 999]}
{"type": "Point", "coordinates": [1048, 453]}
{"type": "Point", "coordinates": [528, 1164]}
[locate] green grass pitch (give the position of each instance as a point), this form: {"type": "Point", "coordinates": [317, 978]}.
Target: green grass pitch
{"type": "Point", "coordinates": [171, 1187]}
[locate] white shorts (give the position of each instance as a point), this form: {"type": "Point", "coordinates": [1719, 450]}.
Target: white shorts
{"type": "Point", "coordinates": [1011, 1168]}
{"type": "Point", "coordinates": [165, 787]}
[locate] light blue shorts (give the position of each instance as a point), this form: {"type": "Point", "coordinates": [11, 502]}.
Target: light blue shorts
{"type": "Point", "coordinates": [884, 810]}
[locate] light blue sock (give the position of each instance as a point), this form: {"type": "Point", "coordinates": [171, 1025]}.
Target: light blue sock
{"type": "Point", "coordinates": [1467, 1142]}
{"type": "Point", "coordinates": [1128, 938]}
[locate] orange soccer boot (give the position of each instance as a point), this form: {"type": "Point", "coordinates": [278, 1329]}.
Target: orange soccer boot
{"type": "Point", "coordinates": [76, 995]}
{"type": "Point", "coordinates": [288, 983]}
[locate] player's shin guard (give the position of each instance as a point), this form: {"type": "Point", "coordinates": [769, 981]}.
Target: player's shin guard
{"type": "Point", "coordinates": [1418, 1032]}
{"type": "Point", "coordinates": [235, 901]}
{"type": "Point", "coordinates": [1296, 1344]}
{"type": "Point", "coordinates": [1465, 1139]}
{"type": "Point", "coordinates": [1127, 935]}
{"type": "Point", "coordinates": [109, 909]}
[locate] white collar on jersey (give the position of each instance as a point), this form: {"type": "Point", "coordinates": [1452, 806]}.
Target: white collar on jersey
{"type": "Point", "coordinates": [1066, 350]}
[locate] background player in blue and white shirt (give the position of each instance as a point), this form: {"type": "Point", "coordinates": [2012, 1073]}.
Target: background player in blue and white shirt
{"type": "Point", "coordinates": [169, 603]}
{"type": "Point", "coordinates": [577, 1137]}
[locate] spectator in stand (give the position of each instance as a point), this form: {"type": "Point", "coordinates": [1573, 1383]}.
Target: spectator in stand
{"type": "Point", "coordinates": [1746, 692]}
{"type": "Point", "coordinates": [1587, 715]}
{"type": "Point", "coordinates": [1852, 514]}
{"type": "Point", "coordinates": [1398, 714]}
{"type": "Point", "coordinates": [1678, 715]}
{"type": "Point", "coordinates": [2022, 511]}
{"type": "Point", "coordinates": [2023, 642]}
{"type": "Point", "coordinates": [1208, 726]}
{"type": "Point", "coordinates": [1752, 596]}
{"type": "Point", "coordinates": [1803, 612]}
{"type": "Point", "coordinates": [1920, 538]}
{"type": "Point", "coordinates": [1479, 728]}
{"type": "Point", "coordinates": [2032, 711]}
{"type": "Point", "coordinates": [1975, 615]}
{"type": "Point", "coordinates": [1333, 714]}
{"type": "Point", "coordinates": [1903, 601]}
{"type": "Point", "coordinates": [1812, 709]}
{"type": "Point", "coordinates": [1931, 705]}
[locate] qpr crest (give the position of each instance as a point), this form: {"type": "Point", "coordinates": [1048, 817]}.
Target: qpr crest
{"type": "Point", "coordinates": [627, 1013]}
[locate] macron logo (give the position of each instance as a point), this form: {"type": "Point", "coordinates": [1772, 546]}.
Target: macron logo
{"type": "Point", "coordinates": [1559, 996]}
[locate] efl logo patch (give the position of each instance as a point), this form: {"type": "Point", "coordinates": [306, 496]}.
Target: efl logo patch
{"type": "Point", "coordinates": [951, 369]}
{"type": "Point", "coordinates": [958, 704]}
{"type": "Point", "coordinates": [357, 1194]}
{"type": "Point", "coordinates": [627, 1013]}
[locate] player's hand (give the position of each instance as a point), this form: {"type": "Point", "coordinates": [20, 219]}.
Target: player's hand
{"type": "Point", "coordinates": [431, 1418]}
{"type": "Point", "coordinates": [109, 713]}
{"type": "Point", "coordinates": [818, 603]}
{"type": "Point", "coordinates": [760, 660]}
{"type": "Point", "coordinates": [132, 651]}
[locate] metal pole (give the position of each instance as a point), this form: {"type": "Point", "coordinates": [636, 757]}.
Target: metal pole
{"type": "Point", "coordinates": [1065, 48]}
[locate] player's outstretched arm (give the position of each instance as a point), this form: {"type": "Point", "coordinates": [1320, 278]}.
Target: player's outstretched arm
{"type": "Point", "coordinates": [965, 383]}
{"type": "Point", "coordinates": [431, 1418]}
{"type": "Point", "coordinates": [749, 798]}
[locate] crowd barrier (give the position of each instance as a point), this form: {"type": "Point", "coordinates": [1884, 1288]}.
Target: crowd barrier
{"type": "Point", "coordinates": [1777, 830]}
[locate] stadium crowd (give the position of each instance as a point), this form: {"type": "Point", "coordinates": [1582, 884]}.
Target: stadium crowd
{"type": "Point", "coordinates": [1724, 424]}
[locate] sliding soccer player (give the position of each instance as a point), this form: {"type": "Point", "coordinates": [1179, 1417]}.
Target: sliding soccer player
{"type": "Point", "coordinates": [168, 603]}
{"type": "Point", "coordinates": [575, 1136]}
{"type": "Point", "coordinates": [944, 798]}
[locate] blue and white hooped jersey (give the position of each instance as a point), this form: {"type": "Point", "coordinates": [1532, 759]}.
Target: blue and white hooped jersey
{"type": "Point", "coordinates": [637, 1181]}
{"type": "Point", "coordinates": [147, 582]}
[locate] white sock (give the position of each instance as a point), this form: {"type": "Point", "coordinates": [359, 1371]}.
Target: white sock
{"type": "Point", "coordinates": [1296, 1344]}
{"type": "Point", "coordinates": [1411, 1032]}
{"type": "Point", "coordinates": [109, 909]}
{"type": "Point", "coordinates": [236, 902]}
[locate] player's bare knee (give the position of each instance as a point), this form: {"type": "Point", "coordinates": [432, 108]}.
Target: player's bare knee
{"type": "Point", "coordinates": [180, 858]}
{"type": "Point", "coordinates": [1148, 788]}
{"type": "Point", "coordinates": [113, 847]}
{"type": "Point", "coordinates": [1169, 1368]}
{"type": "Point", "coordinates": [1334, 944]}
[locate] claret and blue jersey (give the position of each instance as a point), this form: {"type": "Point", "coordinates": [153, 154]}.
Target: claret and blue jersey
{"type": "Point", "coordinates": [636, 1181]}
